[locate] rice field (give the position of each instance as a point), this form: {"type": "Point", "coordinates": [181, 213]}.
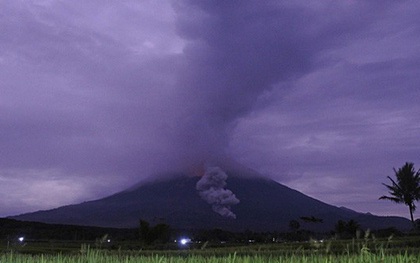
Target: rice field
{"type": "Point", "coordinates": [97, 257]}
{"type": "Point", "coordinates": [350, 251]}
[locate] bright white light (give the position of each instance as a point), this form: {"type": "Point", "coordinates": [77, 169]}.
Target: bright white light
{"type": "Point", "coordinates": [21, 239]}
{"type": "Point", "coordinates": [109, 241]}
{"type": "Point", "coordinates": [185, 241]}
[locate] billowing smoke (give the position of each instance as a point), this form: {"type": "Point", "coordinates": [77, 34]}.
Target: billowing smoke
{"type": "Point", "coordinates": [234, 53]}
{"type": "Point", "coordinates": [211, 188]}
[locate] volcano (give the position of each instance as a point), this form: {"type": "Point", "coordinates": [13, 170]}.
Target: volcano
{"type": "Point", "coordinates": [265, 205]}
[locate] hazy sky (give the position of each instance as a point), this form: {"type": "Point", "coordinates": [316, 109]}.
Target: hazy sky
{"type": "Point", "coordinates": [322, 96]}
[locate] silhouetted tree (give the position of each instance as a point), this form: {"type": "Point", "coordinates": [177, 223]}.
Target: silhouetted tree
{"type": "Point", "coordinates": [161, 233]}
{"type": "Point", "coordinates": [148, 234]}
{"type": "Point", "coordinates": [347, 229]}
{"type": "Point", "coordinates": [311, 219]}
{"type": "Point", "coordinates": [144, 230]}
{"type": "Point", "coordinates": [406, 188]}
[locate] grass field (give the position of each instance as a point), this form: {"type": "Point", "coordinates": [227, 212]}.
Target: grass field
{"type": "Point", "coordinates": [96, 257]}
{"type": "Point", "coordinates": [403, 249]}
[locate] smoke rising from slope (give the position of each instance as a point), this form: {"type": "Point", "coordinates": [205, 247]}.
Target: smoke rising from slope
{"type": "Point", "coordinates": [211, 188]}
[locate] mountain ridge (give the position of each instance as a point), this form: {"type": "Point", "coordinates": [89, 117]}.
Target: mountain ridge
{"type": "Point", "coordinates": [265, 205]}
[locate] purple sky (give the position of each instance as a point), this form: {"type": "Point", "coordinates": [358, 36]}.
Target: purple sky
{"type": "Point", "coordinates": [322, 96]}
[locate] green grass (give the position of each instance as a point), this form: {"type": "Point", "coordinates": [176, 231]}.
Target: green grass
{"type": "Point", "coordinates": [367, 249]}
{"type": "Point", "coordinates": [98, 257]}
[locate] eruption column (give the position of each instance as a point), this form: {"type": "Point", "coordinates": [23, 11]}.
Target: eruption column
{"type": "Point", "coordinates": [211, 188]}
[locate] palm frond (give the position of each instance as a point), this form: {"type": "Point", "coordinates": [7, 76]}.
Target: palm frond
{"type": "Point", "coordinates": [394, 199]}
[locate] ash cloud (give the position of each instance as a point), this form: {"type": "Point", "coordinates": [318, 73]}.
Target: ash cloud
{"type": "Point", "coordinates": [116, 92]}
{"type": "Point", "coordinates": [211, 188]}
{"type": "Point", "coordinates": [235, 53]}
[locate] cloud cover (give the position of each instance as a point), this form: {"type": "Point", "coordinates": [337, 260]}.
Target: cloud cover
{"type": "Point", "coordinates": [96, 96]}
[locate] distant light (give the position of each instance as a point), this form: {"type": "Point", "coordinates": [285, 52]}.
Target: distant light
{"type": "Point", "coordinates": [21, 239]}
{"type": "Point", "coordinates": [185, 241]}
{"type": "Point", "coordinates": [109, 241]}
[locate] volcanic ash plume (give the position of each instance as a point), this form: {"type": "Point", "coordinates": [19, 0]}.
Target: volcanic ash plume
{"type": "Point", "coordinates": [211, 188]}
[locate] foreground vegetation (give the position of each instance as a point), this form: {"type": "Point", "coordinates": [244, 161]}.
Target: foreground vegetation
{"type": "Point", "coordinates": [366, 249]}
{"type": "Point", "coordinates": [94, 257]}
{"type": "Point", "coordinates": [29, 243]}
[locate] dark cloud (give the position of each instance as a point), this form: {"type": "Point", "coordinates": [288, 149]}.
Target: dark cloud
{"type": "Point", "coordinates": [98, 95]}
{"type": "Point", "coordinates": [235, 52]}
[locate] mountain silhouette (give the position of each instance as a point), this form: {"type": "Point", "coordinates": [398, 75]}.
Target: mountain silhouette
{"type": "Point", "coordinates": [265, 205]}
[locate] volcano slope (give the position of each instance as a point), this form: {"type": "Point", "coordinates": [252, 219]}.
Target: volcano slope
{"type": "Point", "coordinates": [265, 205]}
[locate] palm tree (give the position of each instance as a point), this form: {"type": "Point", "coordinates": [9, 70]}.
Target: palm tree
{"type": "Point", "coordinates": [406, 188]}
